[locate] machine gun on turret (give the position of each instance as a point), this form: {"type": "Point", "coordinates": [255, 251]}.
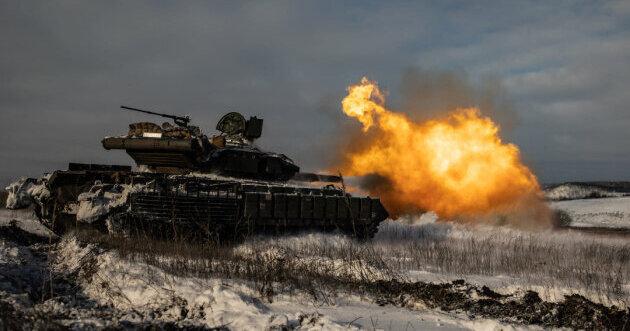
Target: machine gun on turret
{"type": "Point", "coordinates": [181, 121]}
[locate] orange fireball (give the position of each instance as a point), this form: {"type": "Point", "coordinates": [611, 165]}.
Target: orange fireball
{"type": "Point", "coordinates": [456, 166]}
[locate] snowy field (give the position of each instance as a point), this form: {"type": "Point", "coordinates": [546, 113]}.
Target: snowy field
{"type": "Point", "coordinates": [91, 287]}
{"type": "Point", "coordinates": [597, 205]}
{"type": "Point", "coordinates": [416, 274]}
{"type": "Point", "coordinates": [604, 212]}
{"type": "Point", "coordinates": [316, 281]}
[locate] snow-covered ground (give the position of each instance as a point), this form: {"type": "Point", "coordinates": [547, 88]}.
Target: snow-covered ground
{"type": "Point", "coordinates": [97, 288]}
{"type": "Point", "coordinates": [26, 219]}
{"type": "Point", "coordinates": [589, 205]}
{"type": "Point", "coordinates": [215, 302]}
{"type": "Point", "coordinates": [94, 287]}
{"type": "Point", "coordinates": [604, 212]}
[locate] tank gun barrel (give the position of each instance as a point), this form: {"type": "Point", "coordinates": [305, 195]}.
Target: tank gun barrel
{"type": "Point", "coordinates": [311, 177]}
{"type": "Point", "coordinates": [179, 120]}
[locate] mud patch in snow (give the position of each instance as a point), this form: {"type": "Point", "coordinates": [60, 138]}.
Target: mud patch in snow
{"type": "Point", "coordinates": [574, 311]}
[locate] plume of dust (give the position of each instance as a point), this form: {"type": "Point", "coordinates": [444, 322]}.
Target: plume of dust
{"type": "Point", "coordinates": [449, 160]}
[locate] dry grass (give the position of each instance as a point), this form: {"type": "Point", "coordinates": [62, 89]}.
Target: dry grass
{"type": "Point", "coordinates": [317, 262]}
{"type": "Point", "coordinates": [599, 265]}
{"type": "Point", "coordinates": [3, 198]}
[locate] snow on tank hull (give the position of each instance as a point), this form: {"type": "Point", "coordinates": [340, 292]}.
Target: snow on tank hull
{"type": "Point", "coordinates": [222, 187]}
{"type": "Point", "coordinates": [199, 206]}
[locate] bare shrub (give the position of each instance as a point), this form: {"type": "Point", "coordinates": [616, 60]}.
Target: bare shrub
{"type": "Point", "coordinates": [561, 218]}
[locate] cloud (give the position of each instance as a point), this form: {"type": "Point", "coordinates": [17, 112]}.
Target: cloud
{"type": "Point", "coordinates": [66, 67]}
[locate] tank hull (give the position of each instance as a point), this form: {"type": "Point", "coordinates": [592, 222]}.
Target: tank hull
{"type": "Point", "coordinates": [201, 206]}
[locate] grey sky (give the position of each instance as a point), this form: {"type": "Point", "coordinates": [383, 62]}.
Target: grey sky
{"type": "Point", "coordinates": [66, 66]}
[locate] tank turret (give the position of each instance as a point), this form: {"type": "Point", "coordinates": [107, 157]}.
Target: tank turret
{"type": "Point", "coordinates": [184, 148]}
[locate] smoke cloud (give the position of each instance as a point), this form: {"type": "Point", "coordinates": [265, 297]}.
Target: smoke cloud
{"type": "Point", "coordinates": [432, 94]}
{"type": "Point", "coordinates": [443, 153]}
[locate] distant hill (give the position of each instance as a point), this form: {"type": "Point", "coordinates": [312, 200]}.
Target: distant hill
{"type": "Point", "coordinates": [586, 190]}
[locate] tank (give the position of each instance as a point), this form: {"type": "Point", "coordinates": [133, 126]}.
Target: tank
{"type": "Point", "coordinates": [187, 184]}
